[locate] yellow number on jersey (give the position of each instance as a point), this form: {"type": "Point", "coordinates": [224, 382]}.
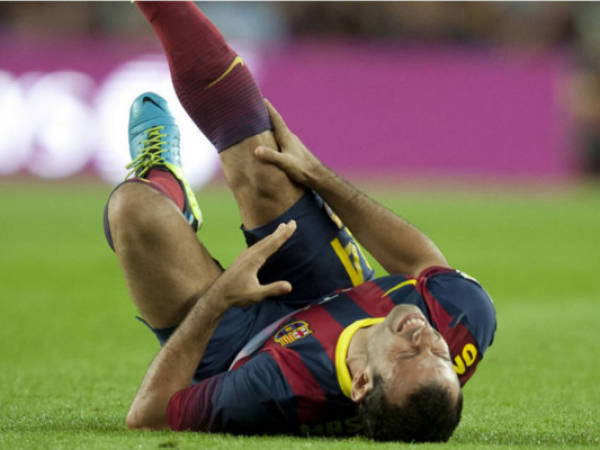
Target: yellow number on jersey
{"type": "Point", "coordinates": [462, 362]}
{"type": "Point", "coordinates": [350, 258]}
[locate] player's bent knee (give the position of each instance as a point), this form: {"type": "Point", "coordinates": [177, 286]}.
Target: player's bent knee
{"type": "Point", "coordinates": [130, 212]}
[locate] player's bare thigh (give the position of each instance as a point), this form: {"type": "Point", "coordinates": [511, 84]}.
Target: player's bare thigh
{"type": "Point", "coordinates": [165, 266]}
{"type": "Point", "coordinates": [263, 192]}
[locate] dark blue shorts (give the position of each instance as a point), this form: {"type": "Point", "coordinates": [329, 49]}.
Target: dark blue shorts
{"type": "Point", "coordinates": [319, 258]}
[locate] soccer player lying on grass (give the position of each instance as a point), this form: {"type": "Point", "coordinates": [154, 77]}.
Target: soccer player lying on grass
{"type": "Point", "coordinates": [295, 336]}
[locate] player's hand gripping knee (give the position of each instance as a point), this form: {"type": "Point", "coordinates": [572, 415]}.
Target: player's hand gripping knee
{"type": "Point", "coordinates": [294, 158]}
{"type": "Point", "coordinates": [240, 281]}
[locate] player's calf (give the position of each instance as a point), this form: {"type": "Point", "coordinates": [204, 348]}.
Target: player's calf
{"type": "Point", "coordinates": [218, 92]}
{"type": "Point", "coordinates": [212, 82]}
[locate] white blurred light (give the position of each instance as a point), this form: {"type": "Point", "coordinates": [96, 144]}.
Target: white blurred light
{"type": "Point", "coordinates": [55, 124]}
{"type": "Point", "coordinates": [151, 73]}
{"type": "Point", "coordinates": [15, 127]}
{"type": "Point", "coordinates": [64, 123]}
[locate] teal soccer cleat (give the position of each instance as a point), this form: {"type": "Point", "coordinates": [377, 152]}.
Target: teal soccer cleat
{"type": "Point", "coordinates": [154, 142]}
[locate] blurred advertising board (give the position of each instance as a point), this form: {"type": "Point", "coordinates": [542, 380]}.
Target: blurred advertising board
{"type": "Point", "coordinates": [363, 108]}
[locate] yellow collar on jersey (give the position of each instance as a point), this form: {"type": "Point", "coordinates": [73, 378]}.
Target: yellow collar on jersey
{"type": "Point", "coordinates": [341, 351]}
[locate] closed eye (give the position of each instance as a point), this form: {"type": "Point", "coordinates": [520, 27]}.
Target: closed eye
{"type": "Point", "coordinates": [444, 356]}
{"type": "Point", "coordinates": [407, 355]}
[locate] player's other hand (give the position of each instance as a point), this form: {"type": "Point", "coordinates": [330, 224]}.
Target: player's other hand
{"type": "Point", "coordinates": [240, 281]}
{"type": "Point", "coordinates": [293, 158]}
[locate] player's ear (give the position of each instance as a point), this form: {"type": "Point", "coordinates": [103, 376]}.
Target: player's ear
{"type": "Point", "coordinates": [362, 383]}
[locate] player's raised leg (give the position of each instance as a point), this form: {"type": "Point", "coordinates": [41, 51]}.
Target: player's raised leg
{"type": "Point", "coordinates": [219, 93]}
{"type": "Point", "coordinates": [221, 96]}
{"type": "Point", "coordinates": [150, 221]}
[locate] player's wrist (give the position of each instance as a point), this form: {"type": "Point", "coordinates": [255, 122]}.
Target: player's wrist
{"type": "Point", "coordinates": [215, 301]}
{"type": "Point", "coordinates": [321, 178]}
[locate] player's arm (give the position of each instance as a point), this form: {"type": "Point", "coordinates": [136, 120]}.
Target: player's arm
{"type": "Point", "coordinates": [173, 368]}
{"type": "Point", "coordinates": [396, 244]}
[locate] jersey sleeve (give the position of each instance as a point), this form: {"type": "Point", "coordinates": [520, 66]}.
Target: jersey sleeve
{"type": "Point", "coordinates": [463, 313]}
{"type": "Point", "coordinates": [254, 398]}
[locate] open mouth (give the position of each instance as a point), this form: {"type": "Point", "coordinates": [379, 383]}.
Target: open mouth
{"type": "Point", "coordinates": [411, 322]}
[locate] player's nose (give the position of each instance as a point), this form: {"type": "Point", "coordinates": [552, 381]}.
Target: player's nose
{"type": "Point", "coordinates": [422, 336]}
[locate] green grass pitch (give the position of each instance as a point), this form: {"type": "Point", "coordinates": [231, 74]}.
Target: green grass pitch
{"type": "Point", "coordinates": [73, 355]}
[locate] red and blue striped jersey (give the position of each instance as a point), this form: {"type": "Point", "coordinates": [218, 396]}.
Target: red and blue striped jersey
{"type": "Point", "coordinates": [290, 384]}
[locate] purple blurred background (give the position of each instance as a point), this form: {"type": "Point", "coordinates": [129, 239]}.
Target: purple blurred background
{"type": "Point", "coordinates": [385, 109]}
{"type": "Point", "coordinates": [388, 89]}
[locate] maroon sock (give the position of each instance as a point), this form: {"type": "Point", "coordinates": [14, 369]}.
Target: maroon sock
{"type": "Point", "coordinates": [216, 89]}
{"type": "Point", "coordinates": [165, 182]}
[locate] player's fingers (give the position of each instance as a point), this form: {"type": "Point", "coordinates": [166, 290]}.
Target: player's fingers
{"type": "Point", "coordinates": [269, 155]}
{"type": "Point", "coordinates": [275, 289]}
{"type": "Point", "coordinates": [280, 129]}
{"type": "Point", "coordinates": [284, 161]}
{"type": "Point", "coordinates": [271, 243]}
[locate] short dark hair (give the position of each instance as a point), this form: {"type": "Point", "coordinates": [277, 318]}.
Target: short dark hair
{"type": "Point", "coordinates": [428, 415]}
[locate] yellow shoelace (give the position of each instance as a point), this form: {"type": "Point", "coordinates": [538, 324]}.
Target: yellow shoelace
{"type": "Point", "coordinates": [151, 156]}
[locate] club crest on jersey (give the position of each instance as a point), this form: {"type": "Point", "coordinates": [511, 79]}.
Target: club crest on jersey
{"type": "Point", "coordinates": [292, 332]}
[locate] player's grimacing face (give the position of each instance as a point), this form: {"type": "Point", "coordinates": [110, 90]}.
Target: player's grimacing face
{"type": "Point", "coordinates": [406, 351]}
